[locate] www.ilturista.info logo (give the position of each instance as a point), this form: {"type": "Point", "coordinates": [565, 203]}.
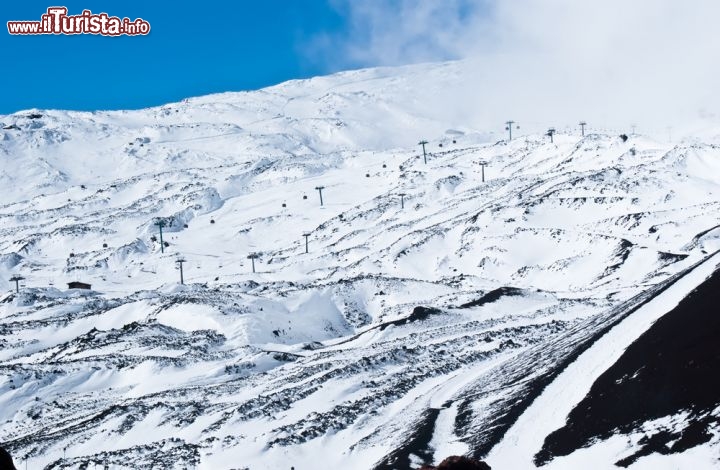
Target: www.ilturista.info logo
{"type": "Point", "coordinates": [57, 21]}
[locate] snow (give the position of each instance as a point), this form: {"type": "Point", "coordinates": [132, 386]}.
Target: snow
{"type": "Point", "coordinates": [548, 412]}
{"type": "Point", "coordinates": [615, 448]}
{"type": "Point", "coordinates": [324, 352]}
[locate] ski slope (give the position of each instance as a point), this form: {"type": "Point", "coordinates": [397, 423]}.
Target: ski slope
{"type": "Point", "coordinates": [448, 323]}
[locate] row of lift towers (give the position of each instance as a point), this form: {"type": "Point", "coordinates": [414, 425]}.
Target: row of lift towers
{"type": "Point", "coordinates": [509, 126]}
{"type": "Point", "coordinates": [253, 256]}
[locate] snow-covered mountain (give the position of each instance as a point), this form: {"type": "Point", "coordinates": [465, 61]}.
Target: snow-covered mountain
{"type": "Point", "coordinates": [433, 313]}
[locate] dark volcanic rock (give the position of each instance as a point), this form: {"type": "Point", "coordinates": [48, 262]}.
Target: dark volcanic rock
{"type": "Point", "coordinates": [493, 296]}
{"type": "Point", "coordinates": [418, 314]}
{"type": "Point", "coordinates": [6, 461]}
{"type": "Point", "coordinates": [673, 367]}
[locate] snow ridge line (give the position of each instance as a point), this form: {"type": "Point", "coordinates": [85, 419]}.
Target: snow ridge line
{"type": "Point", "coordinates": [549, 361]}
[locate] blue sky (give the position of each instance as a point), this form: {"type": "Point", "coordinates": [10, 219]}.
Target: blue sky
{"type": "Point", "coordinates": [194, 48]}
{"type": "Point", "coordinates": [615, 61]}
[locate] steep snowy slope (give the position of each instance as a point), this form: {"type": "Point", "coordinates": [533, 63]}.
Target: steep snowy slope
{"type": "Point", "coordinates": [666, 380]}
{"type": "Point", "coordinates": [431, 312]}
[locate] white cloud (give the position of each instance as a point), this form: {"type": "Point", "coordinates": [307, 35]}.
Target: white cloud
{"type": "Point", "coordinates": [653, 62]}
